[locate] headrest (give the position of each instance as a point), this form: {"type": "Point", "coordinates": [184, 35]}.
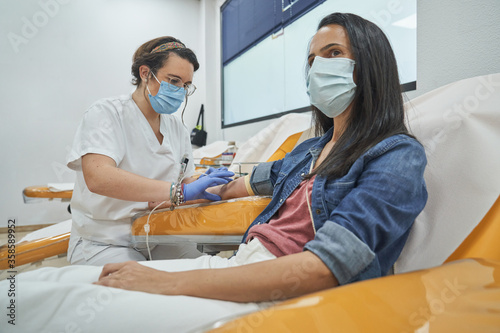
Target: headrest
{"type": "Point", "coordinates": [459, 126]}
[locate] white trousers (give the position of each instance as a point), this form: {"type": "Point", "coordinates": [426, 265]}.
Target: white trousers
{"type": "Point", "coordinates": [92, 253]}
{"type": "Point", "coordinates": [65, 300]}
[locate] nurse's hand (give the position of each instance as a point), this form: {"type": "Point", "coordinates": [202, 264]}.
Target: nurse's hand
{"type": "Point", "coordinates": [212, 171]}
{"type": "Point", "coordinates": [197, 189]}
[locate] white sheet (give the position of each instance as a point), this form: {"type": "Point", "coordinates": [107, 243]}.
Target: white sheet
{"type": "Point", "coordinates": [65, 300]}
{"type": "Point", "coordinates": [459, 125]}
{"type": "Point", "coordinates": [53, 230]}
{"type": "Point", "coordinates": [262, 145]}
{"type": "Point", "coordinates": [60, 187]}
{"type": "Point", "coordinates": [211, 150]}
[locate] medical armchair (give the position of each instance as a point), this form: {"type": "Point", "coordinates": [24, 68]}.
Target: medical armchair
{"type": "Point", "coordinates": [448, 275]}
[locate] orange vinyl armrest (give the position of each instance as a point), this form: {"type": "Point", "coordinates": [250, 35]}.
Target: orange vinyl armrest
{"type": "Point", "coordinates": [44, 192]}
{"type": "Point", "coordinates": [231, 217]}
{"type": "Point", "coordinates": [28, 252]}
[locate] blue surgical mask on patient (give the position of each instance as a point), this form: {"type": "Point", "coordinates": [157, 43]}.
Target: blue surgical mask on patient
{"type": "Point", "coordinates": [330, 84]}
{"type": "Point", "coordinates": [167, 100]}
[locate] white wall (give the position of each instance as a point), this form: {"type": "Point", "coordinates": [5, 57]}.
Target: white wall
{"type": "Point", "coordinates": [57, 57]}
{"type": "Point", "coordinates": [456, 39]}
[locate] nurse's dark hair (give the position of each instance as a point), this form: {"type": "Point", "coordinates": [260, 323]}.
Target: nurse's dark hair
{"type": "Point", "coordinates": [157, 60]}
{"type": "Point", "coordinates": [377, 110]}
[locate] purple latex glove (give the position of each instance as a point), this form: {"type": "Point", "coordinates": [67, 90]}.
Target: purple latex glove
{"type": "Point", "coordinates": [211, 171]}
{"type": "Point", "coordinates": [197, 189]}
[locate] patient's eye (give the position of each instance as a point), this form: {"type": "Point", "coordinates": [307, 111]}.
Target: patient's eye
{"type": "Point", "coordinates": [335, 53]}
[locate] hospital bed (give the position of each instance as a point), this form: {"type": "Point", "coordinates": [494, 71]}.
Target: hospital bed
{"type": "Point", "coordinates": [448, 276]}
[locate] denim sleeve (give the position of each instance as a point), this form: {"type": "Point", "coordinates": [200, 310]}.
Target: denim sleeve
{"type": "Point", "coordinates": [366, 232]}
{"type": "Point", "coordinates": [342, 251]}
{"type": "Point", "coordinates": [264, 177]}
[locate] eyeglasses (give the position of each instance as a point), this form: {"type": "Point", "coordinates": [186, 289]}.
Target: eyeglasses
{"type": "Point", "coordinates": [176, 84]}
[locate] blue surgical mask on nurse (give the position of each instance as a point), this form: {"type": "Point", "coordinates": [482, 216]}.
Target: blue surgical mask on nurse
{"type": "Point", "coordinates": [167, 100]}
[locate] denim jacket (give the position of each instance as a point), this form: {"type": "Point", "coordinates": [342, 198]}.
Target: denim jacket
{"type": "Point", "coordinates": [362, 220]}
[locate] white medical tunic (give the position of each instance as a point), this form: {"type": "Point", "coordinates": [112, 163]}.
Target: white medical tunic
{"type": "Point", "coordinates": [117, 128]}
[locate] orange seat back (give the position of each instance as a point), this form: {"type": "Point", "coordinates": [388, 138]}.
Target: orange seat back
{"type": "Point", "coordinates": [285, 147]}
{"type": "Point", "coordinates": [483, 241]}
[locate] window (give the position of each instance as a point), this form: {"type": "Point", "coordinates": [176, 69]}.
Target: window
{"type": "Point", "coordinates": [265, 45]}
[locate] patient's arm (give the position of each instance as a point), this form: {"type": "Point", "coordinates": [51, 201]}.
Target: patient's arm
{"type": "Point", "coordinates": [281, 278]}
{"type": "Point", "coordinates": [234, 189]}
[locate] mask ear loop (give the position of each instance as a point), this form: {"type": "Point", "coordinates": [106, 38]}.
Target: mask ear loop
{"type": "Point", "coordinates": [147, 86]}
{"type": "Point", "coordinates": [155, 76]}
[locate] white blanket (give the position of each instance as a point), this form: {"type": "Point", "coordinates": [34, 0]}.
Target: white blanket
{"type": "Point", "coordinates": [65, 300]}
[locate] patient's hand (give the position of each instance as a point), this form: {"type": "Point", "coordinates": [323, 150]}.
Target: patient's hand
{"type": "Point", "coordinates": [131, 275]}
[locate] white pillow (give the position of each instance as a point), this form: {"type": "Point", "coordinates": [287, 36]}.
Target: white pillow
{"type": "Point", "coordinates": [459, 126]}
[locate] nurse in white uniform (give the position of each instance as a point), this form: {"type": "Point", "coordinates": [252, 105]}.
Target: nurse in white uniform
{"type": "Point", "coordinates": [128, 151]}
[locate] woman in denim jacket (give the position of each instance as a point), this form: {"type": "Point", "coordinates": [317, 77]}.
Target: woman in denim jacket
{"type": "Point", "coordinates": [362, 184]}
{"type": "Point", "coordinates": [342, 207]}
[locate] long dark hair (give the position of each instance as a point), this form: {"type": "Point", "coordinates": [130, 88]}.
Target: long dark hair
{"type": "Point", "coordinates": [377, 111]}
